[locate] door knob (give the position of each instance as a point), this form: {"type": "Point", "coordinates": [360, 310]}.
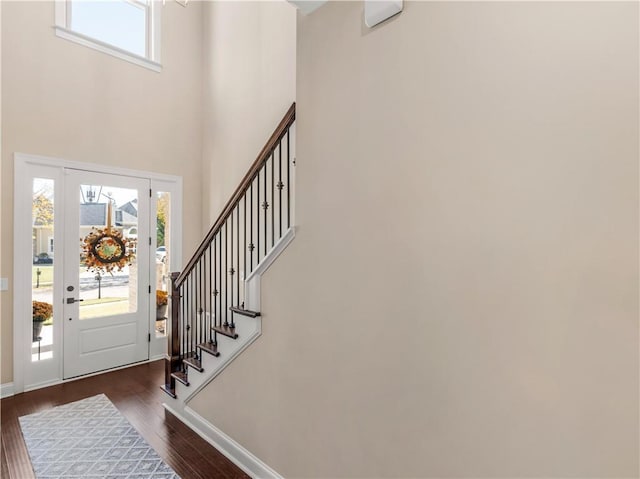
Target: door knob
{"type": "Point", "coordinates": [73, 300]}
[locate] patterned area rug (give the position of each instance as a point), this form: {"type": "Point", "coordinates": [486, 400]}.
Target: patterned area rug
{"type": "Point", "coordinates": [89, 439]}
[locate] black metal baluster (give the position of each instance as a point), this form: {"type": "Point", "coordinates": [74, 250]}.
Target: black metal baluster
{"type": "Point", "coordinates": [251, 245]}
{"type": "Point", "coordinates": [215, 288]}
{"type": "Point", "coordinates": [280, 185]}
{"type": "Point", "coordinates": [194, 320]}
{"type": "Point", "coordinates": [219, 315]}
{"type": "Point", "coordinates": [265, 206]}
{"type": "Point", "coordinates": [288, 183]}
{"type": "Point", "coordinates": [206, 291]}
{"type": "Point", "coordinates": [190, 323]}
{"type": "Point", "coordinates": [258, 218]}
{"type": "Point", "coordinates": [192, 326]}
{"type": "Point", "coordinates": [186, 321]}
{"type": "Point", "coordinates": [200, 306]}
{"type": "Point", "coordinates": [212, 249]}
{"type": "Point", "coordinates": [226, 276]}
{"type": "Point", "coordinates": [183, 330]}
{"type": "Point", "coordinates": [194, 310]}
{"type": "Point", "coordinates": [273, 209]}
{"type": "Point", "coordinates": [186, 318]}
{"type": "Point", "coordinates": [238, 255]}
{"type": "Point", "coordinates": [231, 270]}
{"type": "Point", "coordinates": [244, 253]}
{"type": "Point", "coordinates": [196, 302]}
{"type": "Point", "coordinates": [188, 284]}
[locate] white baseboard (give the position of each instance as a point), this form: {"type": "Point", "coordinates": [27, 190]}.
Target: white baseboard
{"type": "Point", "coordinates": [235, 452]}
{"type": "Point", "coordinates": [6, 390]}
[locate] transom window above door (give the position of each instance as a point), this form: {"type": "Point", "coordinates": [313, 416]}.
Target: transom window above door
{"type": "Point", "coordinates": [127, 29]}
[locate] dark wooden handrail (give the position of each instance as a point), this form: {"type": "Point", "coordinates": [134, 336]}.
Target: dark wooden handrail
{"type": "Point", "coordinates": [263, 156]}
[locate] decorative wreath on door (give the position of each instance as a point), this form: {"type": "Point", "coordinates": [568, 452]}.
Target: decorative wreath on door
{"type": "Point", "coordinates": [106, 250]}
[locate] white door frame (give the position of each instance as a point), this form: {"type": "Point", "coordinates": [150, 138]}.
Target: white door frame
{"type": "Point", "coordinates": [29, 375]}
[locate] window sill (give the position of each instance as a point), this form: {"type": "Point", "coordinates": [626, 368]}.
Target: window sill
{"type": "Point", "coordinates": [106, 48]}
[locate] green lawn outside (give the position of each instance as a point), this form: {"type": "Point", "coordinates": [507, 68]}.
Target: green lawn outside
{"type": "Point", "coordinates": [46, 274]}
{"type": "Point", "coordinates": [95, 308]}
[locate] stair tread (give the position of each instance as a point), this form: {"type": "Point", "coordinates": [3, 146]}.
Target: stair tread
{"type": "Point", "coordinates": [244, 312]}
{"type": "Point", "coordinates": [226, 331]}
{"type": "Point", "coordinates": [194, 363]}
{"type": "Point", "coordinates": [181, 376]}
{"type": "Point", "coordinates": [169, 391]}
{"type": "Point", "coordinates": [210, 347]}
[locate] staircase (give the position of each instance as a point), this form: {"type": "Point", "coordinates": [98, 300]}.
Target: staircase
{"type": "Point", "coordinates": [215, 300]}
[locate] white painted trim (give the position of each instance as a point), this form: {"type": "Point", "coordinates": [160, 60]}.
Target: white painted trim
{"type": "Point", "coordinates": [377, 11]}
{"type": "Point", "coordinates": [97, 167]}
{"type": "Point", "coordinates": [24, 370]}
{"type": "Point", "coordinates": [83, 40]}
{"type": "Point", "coordinates": [307, 6]}
{"type": "Point", "coordinates": [155, 31]}
{"type": "Point", "coordinates": [20, 172]}
{"type": "Point", "coordinates": [277, 250]}
{"type": "Point", "coordinates": [153, 40]}
{"type": "Point", "coordinates": [61, 13]}
{"type": "Point", "coordinates": [6, 390]}
{"type": "Point", "coordinates": [55, 382]}
{"type": "Point", "coordinates": [242, 343]}
{"type": "Point", "coordinates": [158, 345]}
{"type": "Point", "coordinates": [22, 280]}
{"type": "Point", "coordinates": [235, 452]}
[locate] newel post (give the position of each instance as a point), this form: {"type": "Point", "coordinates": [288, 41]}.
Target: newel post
{"type": "Point", "coordinates": [172, 362]}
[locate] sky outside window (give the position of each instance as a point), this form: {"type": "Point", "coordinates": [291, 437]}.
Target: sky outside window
{"type": "Point", "coordinates": [118, 23]}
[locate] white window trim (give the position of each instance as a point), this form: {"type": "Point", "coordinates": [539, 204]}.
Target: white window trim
{"type": "Point", "coordinates": [62, 30]}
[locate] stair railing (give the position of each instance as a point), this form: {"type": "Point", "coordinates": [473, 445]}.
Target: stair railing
{"type": "Point", "coordinates": [210, 289]}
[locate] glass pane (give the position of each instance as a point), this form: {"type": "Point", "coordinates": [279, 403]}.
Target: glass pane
{"type": "Point", "coordinates": [42, 269]}
{"type": "Point", "coordinates": [163, 239]}
{"type": "Point", "coordinates": [108, 237]}
{"type": "Point", "coordinates": [118, 23]}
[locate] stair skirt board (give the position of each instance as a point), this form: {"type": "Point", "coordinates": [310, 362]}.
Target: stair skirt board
{"type": "Point", "coordinates": [248, 330]}
{"type": "Point", "coordinates": [214, 365]}
{"type": "Point", "coordinates": [235, 452]}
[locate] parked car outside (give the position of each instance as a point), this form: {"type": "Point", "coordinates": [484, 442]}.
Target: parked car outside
{"type": "Point", "coordinates": [43, 258]}
{"type": "Point", "coordinates": [161, 253]}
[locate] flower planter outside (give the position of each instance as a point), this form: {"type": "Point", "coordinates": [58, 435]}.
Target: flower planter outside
{"type": "Point", "coordinates": [37, 330]}
{"type": "Point", "coordinates": [161, 312]}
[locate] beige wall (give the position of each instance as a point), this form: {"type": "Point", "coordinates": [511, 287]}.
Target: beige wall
{"type": "Point", "coordinates": [64, 100]}
{"type": "Point", "coordinates": [249, 84]}
{"type": "Point", "coordinates": [461, 299]}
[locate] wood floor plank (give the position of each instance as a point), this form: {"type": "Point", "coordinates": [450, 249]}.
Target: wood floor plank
{"type": "Point", "coordinates": [4, 471]}
{"type": "Point", "coordinates": [136, 393]}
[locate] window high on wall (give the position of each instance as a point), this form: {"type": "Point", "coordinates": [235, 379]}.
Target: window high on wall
{"type": "Point", "coordinates": [127, 29]}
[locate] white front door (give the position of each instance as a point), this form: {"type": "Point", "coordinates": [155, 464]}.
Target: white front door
{"type": "Point", "coordinates": [105, 313]}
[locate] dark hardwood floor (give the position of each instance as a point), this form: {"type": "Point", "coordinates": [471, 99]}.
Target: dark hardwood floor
{"type": "Point", "coordinates": [136, 393]}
